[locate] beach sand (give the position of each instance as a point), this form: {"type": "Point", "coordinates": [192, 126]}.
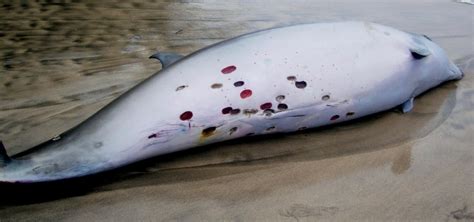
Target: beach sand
{"type": "Point", "coordinates": [63, 62]}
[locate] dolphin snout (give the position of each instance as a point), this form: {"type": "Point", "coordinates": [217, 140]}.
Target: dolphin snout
{"type": "Point", "coordinates": [456, 72]}
{"type": "Point", "coordinates": [459, 75]}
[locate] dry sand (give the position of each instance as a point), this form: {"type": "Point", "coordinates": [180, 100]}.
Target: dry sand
{"type": "Point", "coordinates": [63, 62]}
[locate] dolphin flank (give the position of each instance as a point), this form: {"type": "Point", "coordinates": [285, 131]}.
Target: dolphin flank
{"type": "Point", "coordinates": [271, 81]}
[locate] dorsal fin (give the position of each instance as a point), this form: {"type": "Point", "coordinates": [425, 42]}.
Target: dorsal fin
{"type": "Point", "coordinates": [166, 58]}
{"type": "Point", "coordinates": [4, 158]}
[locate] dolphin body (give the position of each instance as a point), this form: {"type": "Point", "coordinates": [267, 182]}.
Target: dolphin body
{"type": "Point", "coordinates": [278, 80]}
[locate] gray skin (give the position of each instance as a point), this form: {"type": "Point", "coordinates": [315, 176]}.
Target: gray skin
{"type": "Point", "coordinates": [278, 80]}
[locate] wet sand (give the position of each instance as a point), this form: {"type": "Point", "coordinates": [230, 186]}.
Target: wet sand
{"type": "Point", "coordinates": [63, 62]}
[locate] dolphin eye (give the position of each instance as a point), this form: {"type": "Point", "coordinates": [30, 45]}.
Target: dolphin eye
{"type": "Point", "coordinates": [427, 37]}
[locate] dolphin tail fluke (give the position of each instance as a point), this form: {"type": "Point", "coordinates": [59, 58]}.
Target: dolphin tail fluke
{"type": "Point", "coordinates": [4, 158]}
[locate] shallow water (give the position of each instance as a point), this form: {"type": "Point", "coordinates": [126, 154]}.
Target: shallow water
{"type": "Point", "coordinates": [62, 62]}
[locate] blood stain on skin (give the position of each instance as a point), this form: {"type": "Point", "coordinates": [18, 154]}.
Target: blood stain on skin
{"type": "Point", "coordinates": [300, 84]}
{"type": "Point", "coordinates": [239, 83]}
{"type": "Point", "coordinates": [335, 117]}
{"type": "Point", "coordinates": [186, 115]}
{"type": "Point", "coordinates": [228, 69]}
{"type": "Point", "coordinates": [266, 106]}
{"type": "Point", "coordinates": [227, 110]}
{"type": "Point", "coordinates": [245, 93]}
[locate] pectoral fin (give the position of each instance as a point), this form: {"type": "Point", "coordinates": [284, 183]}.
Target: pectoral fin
{"type": "Point", "coordinates": [166, 58]}
{"type": "Point", "coordinates": [407, 106]}
{"type": "Point", "coordinates": [418, 49]}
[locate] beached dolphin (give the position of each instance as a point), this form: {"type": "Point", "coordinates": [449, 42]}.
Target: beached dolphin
{"type": "Point", "coordinates": [278, 80]}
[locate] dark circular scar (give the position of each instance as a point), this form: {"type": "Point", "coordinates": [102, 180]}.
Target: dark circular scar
{"type": "Point", "coordinates": [226, 110]}
{"type": "Point", "coordinates": [216, 85]}
{"type": "Point", "coordinates": [282, 106]}
{"type": "Point", "coordinates": [280, 98]}
{"type": "Point", "coordinates": [239, 83]}
{"type": "Point", "coordinates": [250, 111]}
{"type": "Point", "coordinates": [235, 111]}
{"type": "Point", "coordinates": [300, 84]}
{"type": "Point", "coordinates": [208, 131]}
{"type": "Point", "coordinates": [268, 112]}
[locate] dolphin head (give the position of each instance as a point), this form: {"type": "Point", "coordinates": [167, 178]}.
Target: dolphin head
{"type": "Point", "coordinates": [431, 63]}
